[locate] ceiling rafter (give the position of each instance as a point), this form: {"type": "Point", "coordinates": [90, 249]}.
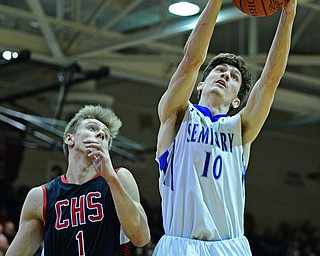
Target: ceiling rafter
{"type": "Point", "coordinates": [52, 43]}
{"type": "Point", "coordinates": [90, 21]}
{"type": "Point", "coordinates": [133, 5]}
{"type": "Point", "coordinates": [147, 36]}
{"type": "Point", "coordinates": [48, 48]}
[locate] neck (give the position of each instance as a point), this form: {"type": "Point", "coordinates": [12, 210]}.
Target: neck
{"type": "Point", "coordinates": [80, 170]}
{"type": "Point", "coordinates": [214, 107]}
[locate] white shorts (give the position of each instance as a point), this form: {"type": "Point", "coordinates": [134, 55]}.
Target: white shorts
{"type": "Point", "coordinates": [179, 246]}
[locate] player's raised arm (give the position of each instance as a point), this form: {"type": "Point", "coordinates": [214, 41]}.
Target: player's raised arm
{"type": "Point", "coordinates": [176, 97]}
{"type": "Point", "coordinates": [259, 103]}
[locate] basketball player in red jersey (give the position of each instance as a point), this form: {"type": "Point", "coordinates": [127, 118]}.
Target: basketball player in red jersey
{"type": "Point", "coordinates": [92, 208]}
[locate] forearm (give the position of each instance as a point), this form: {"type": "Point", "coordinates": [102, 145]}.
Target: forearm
{"type": "Point", "coordinates": [19, 249]}
{"type": "Point", "coordinates": [26, 242]}
{"type": "Point", "coordinates": [259, 103]}
{"type": "Point", "coordinates": [195, 51]}
{"type": "Point", "coordinates": [131, 215]}
{"type": "Point", "coordinates": [279, 51]}
{"type": "Point", "coordinates": [198, 42]}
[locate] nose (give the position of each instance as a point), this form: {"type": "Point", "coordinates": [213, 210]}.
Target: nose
{"type": "Point", "coordinates": [101, 135]}
{"type": "Point", "coordinates": [226, 76]}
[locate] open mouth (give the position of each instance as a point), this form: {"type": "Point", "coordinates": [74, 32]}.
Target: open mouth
{"type": "Point", "coordinates": [221, 83]}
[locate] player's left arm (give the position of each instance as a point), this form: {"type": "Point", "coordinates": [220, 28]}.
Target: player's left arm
{"type": "Point", "coordinates": [131, 214]}
{"type": "Point", "coordinates": [125, 194]}
{"type": "Point", "coordinates": [260, 100]}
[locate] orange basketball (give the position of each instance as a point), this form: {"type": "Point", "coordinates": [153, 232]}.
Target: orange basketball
{"type": "Point", "coordinates": [259, 8]}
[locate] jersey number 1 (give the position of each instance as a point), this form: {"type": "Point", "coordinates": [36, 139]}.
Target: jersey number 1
{"type": "Point", "coordinates": [80, 241]}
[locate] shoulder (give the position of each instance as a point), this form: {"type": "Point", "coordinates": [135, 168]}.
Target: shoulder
{"type": "Point", "coordinates": [233, 122]}
{"type": "Point", "coordinates": [124, 173]}
{"type": "Point", "coordinates": [35, 193]}
{"type": "Point", "coordinates": [235, 119]}
{"type": "Point", "coordinates": [127, 181]}
{"type": "Point", "coordinates": [33, 205]}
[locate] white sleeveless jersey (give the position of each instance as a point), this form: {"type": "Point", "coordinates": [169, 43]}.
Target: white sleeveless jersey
{"type": "Point", "coordinates": [202, 178]}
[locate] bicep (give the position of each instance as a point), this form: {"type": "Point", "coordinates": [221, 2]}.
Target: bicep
{"type": "Point", "coordinates": [179, 90]}
{"type": "Point", "coordinates": [29, 236]}
{"type": "Point", "coordinates": [255, 113]}
{"type": "Point", "coordinates": [129, 184]}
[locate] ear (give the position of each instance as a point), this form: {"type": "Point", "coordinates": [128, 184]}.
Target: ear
{"type": "Point", "coordinates": [69, 139]}
{"type": "Point", "coordinates": [200, 86]}
{"type": "Point", "coordinates": [235, 103]}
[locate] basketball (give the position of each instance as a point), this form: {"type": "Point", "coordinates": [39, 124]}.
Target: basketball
{"type": "Point", "coordinates": [259, 8]}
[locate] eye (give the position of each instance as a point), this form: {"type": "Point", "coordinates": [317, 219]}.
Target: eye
{"type": "Point", "coordinates": [235, 76]}
{"type": "Point", "coordinates": [91, 128]}
{"type": "Point", "coordinates": [106, 135]}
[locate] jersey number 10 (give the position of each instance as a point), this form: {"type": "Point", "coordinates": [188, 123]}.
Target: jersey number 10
{"type": "Point", "coordinates": [216, 168]}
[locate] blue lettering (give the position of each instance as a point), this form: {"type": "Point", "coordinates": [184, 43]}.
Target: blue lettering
{"type": "Point", "coordinates": [211, 132]}
{"type": "Point", "coordinates": [216, 174]}
{"type": "Point", "coordinates": [194, 132]}
{"type": "Point", "coordinates": [217, 140]}
{"type": "Point", "coordinates": [207, 135]}
{"type": "Point", "coordinates": [230, 140]}
{"type": "Point", "coordinates": [217, 166]}
{"type": "Point", "coordinates": [223, 141]}
{"type": "Point", "coordinates": [189, 132]}
{"type": "Point", "coordinates": [204, 135]}
{"type": "Point", "coordinates": [206, 164]}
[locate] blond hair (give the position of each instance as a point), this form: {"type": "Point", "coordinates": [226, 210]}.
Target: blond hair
{"type": "Point", "coordinates": [104, 115]}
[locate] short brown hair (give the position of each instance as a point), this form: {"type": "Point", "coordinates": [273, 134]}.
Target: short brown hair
{"type": "Point", "coordinates": [239, 63]}
{"type": "Point", "coordinates": [104, 115]}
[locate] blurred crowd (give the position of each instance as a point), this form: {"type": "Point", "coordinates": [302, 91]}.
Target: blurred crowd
{"type": "Point", "coordinates": [7, 233]}
{"type": "Point", "coordinates": [287, 239]}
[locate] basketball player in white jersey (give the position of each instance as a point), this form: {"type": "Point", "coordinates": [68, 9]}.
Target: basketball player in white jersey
{"type": "Point", "coordinates": [203, 150]}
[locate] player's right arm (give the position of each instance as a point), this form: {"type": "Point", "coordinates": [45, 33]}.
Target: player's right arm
{"type": "Point", "coordinates": [30, 234]}
{"type": "Point", "coordinates": [174, 101]}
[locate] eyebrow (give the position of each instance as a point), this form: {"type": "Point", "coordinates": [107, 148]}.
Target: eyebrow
{"type": "Point", "coordinates": [233, 68]}
{"type": "Point", "coordinates": [105, 128]}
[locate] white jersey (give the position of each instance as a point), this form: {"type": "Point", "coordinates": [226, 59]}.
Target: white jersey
{"type": "Point", "coordinates": [202, 178]}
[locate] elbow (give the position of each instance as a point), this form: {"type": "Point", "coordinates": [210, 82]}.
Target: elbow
{"type": "Point", "coordinates": [273, 79]}
{"type": "Point", "coordinates": [142, 242]}
{"type": "Point", "coordinates": [140, 234]}
{"type": "Point", "coordinates": [192, 62]}
{"type": "Point", "coordinates": [141, 239]}
{"type": "Point", "coordinates": [193, 58]}
{"type": "Point", "coordinates": [274, 72]}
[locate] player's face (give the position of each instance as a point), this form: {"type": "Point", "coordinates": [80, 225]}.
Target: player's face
{"type": "Point", "coordinates": [91, 131]}
{"type": "Point", "coordinates": [224, 80]}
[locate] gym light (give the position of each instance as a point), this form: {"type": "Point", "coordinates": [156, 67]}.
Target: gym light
{"type": "Point", "coordinates": [184, 8]}
{"type": "Point", "coordinates": [8, 55]}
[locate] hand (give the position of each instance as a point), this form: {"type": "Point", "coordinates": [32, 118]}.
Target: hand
{"type": "Point", "coordinates": [100, 158]}
{"type": "Point", "coordinates": [290, 6]}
